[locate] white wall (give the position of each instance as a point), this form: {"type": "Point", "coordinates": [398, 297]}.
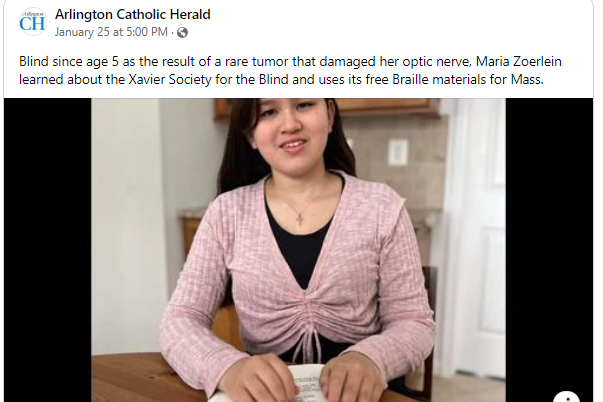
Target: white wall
{"type": "Point", "coordinates": [128, 235]}
{"type": "Point", "coordinates": [150, 159]}
{"type": "Point", "coordinates": [192, 152]}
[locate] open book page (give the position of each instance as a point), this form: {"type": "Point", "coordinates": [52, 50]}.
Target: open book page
{"type": "Point", "coordinates": [306, 377]}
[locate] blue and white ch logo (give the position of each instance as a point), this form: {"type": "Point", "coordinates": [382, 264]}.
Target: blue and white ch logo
{"type": "Point", "coordinates": [33, 21]}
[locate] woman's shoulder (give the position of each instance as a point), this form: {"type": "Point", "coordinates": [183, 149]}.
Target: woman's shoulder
{"type": "Point", "coordinates": [236, 199]}
{"type": "Point", "coordinates": [376, 191]}
{"type": "Point", "coordinates": [382, 202]}
{"type": "Point", "coordinates": [239, 193]}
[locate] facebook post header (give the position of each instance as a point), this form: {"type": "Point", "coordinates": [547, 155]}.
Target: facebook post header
{"type": "Point", "coordinates": [385, 49]}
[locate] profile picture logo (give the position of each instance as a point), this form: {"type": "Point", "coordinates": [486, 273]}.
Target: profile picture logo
{"type": "Point", "coordinates": [33, 21]}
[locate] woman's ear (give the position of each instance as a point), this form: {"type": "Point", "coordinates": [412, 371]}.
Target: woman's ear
{"type": "Point", "coordinates": [252, 141]}
{"type": "Point", "coordinates": [331, 114]}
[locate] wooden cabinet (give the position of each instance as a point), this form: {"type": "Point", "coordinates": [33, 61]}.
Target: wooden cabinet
{"type": "Point", "coordinates": [387, 106]}
{"type": "Point", "coordinates": [362, 106]}
{"type": "Point", "coordinates": [190, 226]}
{"type": "Point", "coordinates": [226, 327]}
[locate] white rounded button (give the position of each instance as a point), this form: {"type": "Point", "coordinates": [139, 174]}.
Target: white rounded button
{"type": "Point", "coordinates": [566, 396]}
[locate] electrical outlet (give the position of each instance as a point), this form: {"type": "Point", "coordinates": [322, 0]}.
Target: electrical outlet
{"type": "Point", "coordinates": [398, 152]}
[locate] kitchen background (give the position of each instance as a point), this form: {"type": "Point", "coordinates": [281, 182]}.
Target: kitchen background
{"type": "Point", "coordinates": [155, 163]}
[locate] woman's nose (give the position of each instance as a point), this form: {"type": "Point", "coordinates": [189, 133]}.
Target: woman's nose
{"type": "Point", "coordinates": [291, 122]}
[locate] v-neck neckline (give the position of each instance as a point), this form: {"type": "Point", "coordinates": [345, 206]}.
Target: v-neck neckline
{"type": "Point", "coordinates": [326, 245]}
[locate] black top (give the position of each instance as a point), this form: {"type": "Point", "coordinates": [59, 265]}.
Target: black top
{"type": "Point", "coordinates": [301, 253]}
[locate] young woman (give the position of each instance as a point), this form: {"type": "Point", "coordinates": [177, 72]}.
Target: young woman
{"type": "Point", "coordinates": [324, 266]}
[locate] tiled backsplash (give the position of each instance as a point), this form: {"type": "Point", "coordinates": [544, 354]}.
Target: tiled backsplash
{"type": "Point", "coordinates": [421, 182]}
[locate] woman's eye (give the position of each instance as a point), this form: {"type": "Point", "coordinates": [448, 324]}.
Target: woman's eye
{"type": "Point", "coordinates": [267, 113]}
{"type": "Point", "coordinates": [305, 104]}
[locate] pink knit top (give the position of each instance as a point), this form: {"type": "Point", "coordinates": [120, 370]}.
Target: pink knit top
{"type": "Point", "coordinates": [366, 289]}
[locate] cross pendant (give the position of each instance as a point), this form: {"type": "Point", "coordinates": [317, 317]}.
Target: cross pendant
{"type": "Point", "coordinates": [299, 219]}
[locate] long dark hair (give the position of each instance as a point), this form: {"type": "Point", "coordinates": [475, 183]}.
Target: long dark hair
{"type": "Point", "coordinates": [242, 165]}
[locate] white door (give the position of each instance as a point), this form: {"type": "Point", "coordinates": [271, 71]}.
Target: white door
{"type": "Point", "coordinates": [479, 341]}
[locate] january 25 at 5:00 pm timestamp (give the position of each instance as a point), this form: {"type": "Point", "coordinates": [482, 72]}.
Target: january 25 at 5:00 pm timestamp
{"type": "Point", "coordinates": [104, 32]}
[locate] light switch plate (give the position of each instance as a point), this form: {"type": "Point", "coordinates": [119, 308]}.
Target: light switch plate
{"type": "Point", "coordinates": [350, 142]}
{"type": "Point", "coordinates": [398, 152]}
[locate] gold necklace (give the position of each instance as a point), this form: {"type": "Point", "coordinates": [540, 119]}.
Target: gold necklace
{"type": "Point", "coordinates": [300, 218]}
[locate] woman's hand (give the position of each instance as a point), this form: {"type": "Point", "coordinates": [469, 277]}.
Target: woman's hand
{"type": "Point", "coordinates": [263, 378]}
{"type": "Point", "coordinates": [352, 377]}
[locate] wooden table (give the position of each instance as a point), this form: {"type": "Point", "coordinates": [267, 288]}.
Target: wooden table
{"type": "Point", "coordinates": [146, 377]}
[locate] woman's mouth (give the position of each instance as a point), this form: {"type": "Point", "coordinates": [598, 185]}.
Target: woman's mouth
{"type": "Point", "coordinates": [294, 147]}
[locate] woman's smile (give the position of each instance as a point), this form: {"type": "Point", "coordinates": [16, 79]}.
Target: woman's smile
{"type": "Point", "coordinates": [294, 147]}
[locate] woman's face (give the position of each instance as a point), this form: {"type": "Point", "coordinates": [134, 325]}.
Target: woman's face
{"type": "Point", "coordinates": [291, 134]}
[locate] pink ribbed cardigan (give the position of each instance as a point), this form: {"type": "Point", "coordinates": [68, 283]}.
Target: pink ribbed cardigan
{"type": "Point", "coordinates": [366, 289]}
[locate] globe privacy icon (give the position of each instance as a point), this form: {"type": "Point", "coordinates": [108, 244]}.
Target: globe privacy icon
{"type": "Point", "coordinates": [182, 32]}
